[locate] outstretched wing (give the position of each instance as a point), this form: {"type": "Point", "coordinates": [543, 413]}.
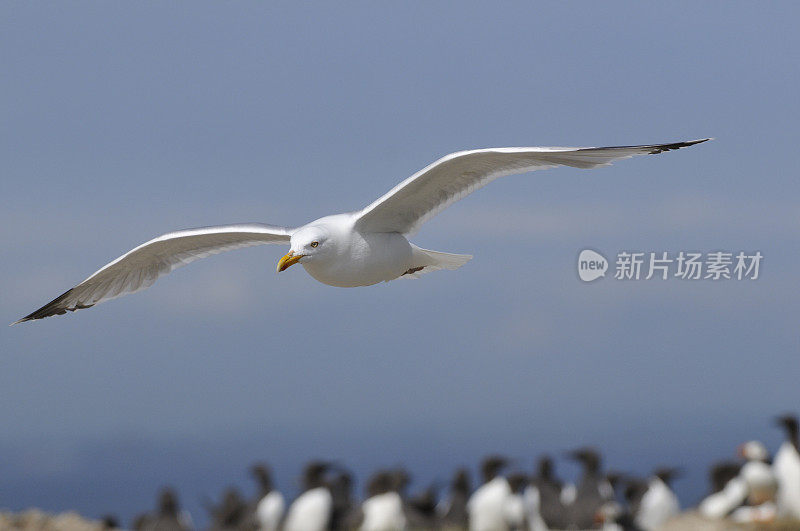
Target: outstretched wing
{"type": "Point", "coordinates": [139, 268]}
{"type": "Point", "coordinates": [429, 191]}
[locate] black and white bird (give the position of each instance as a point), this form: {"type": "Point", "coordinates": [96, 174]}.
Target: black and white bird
{"type": "Point", "coordinates": [312, 509]}
{"type": "Point", "coordinates": [549, 488]}
{"type": "Point", "coordinates": [420, 509]}
{"type": "Point", "coordinates": [729, 491]}
{"type": "Point", "coordinates": [343, 505]}
{"type": "Point", "coordinates": [616, 514]}
{"type": "Point", "coordinates": [761, 483]}
{"type": "Point", "coordinates": [522, 504]}
{"type": "Point", "coordinates": [745, 490]}
{"type": "Point", "coordinates": [358, 248]}
{"type": "Point", "coordinates": [787, 469]}
{"type": "Point", "coordinates": [382, 510]}
{"type": "Point", "coordinates": [231, 514]}
{"type": "Point", "coordinates": [270, 505]}
{"type": "Point", "coordinates": [658, 502]}
{"type": "Point", "coordinates": [487, 505]}
{"type": "Point", "coordinates": [167, 517]}
{"type": "Point", "coordinates": [452, 509]}
{"type": "Point", "coordinates": [591, 492]}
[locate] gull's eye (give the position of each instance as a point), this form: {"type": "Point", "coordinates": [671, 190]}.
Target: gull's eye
{"type": "Point", "coordinates": [314, 243]}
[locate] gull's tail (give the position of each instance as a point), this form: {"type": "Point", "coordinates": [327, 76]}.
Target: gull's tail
{"type": "Point", "coordinates": [425, 261]}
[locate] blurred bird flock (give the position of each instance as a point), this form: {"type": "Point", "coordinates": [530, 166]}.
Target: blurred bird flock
{"type": "Point", "coordinates": [753, 491]}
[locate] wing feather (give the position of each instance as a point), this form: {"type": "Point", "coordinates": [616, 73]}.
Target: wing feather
{"type": "Point", "coordinates": [429, 191]}
{"type": "Point", "coordinates": [139, 268]}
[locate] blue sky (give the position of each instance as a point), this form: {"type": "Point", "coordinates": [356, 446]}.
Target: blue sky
{"type": "Point", "coordinates": [124, 121]}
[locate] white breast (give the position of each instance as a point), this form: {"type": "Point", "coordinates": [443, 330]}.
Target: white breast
{"type": "Point", "coordinates": [658, 505]}
{"type": "Point", "coordinates": [363, 260]}
{"type": "Point", "coordinates": [270, 511]}
{"type": "Point", "coordinates": [787, 471]}
{"type": "Point", "coordinates": [383, 512]}
{"type": "Point", "coordinates": [533, 504]}
{"type": "Point", "coordinates": [515, 511]}
{"type": "Point", "coordinates": [761, 482]}
{"type": "Point", "coordinates": [487, 506]}
{"type": "Point", "coordinates": [311, 511]}
{"type": "Point", "coordinates": [721, 503]}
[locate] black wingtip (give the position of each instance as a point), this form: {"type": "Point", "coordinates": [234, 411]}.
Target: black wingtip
{"type": "Point", "coordinates": [29, 317]}
{"type": "Point", "coordinates": [51, 308]}
{"type": "Point", "coordinates": [677, 145]}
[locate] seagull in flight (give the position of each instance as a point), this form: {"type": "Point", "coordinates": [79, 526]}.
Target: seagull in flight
{"type": "Point", "coordinates": [353, 249]}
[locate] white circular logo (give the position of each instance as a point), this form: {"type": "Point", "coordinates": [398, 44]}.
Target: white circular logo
{"type": "Point", "coordinates": [591, 265]}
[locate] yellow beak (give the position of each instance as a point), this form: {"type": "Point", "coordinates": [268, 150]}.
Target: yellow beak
{"type": "Point", "coordinates": [288, 260]}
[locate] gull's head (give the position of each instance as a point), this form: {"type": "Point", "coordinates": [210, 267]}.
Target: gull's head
{"type": "Point", "coordinates": [753, 451]}
{"type": "Point", "coordinates": [307, 244]}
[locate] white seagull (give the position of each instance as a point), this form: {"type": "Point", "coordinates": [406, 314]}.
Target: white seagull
{"type": "Point", "coordinates": [353, 249]}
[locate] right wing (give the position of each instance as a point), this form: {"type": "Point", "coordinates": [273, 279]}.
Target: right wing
{"type": "Point", "coordinates": [139, 268]}
{"type": "Point", "coordinates": [426, 193]}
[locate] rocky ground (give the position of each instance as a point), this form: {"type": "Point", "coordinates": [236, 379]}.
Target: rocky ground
{"type": "Point", "coordinates": [691, 521]}
{"type": "Point", "coordinates": [36, 520]}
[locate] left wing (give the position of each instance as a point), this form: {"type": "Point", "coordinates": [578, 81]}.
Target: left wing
{"type": "Point", "coordinates": [139, 268]}
{"type": "Point", "coordinates": [429, 191]}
